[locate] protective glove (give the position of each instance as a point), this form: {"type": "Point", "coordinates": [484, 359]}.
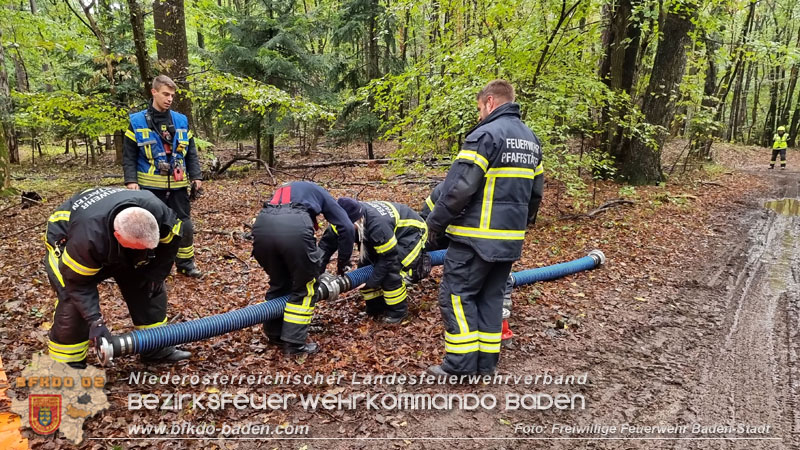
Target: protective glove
{"type": "Point", "coordinates": [433, 236]}
{"type": "Point", "coordinates": [97, 330]}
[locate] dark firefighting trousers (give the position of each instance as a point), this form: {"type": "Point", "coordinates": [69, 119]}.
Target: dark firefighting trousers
{"type": "Point", "coordinates": [471, 302]}
{"type": "Point", "coordinates": [69, 335]}
{"type": "Point", "coordinates": [285, 246]}
{"type": "Point", "coordinates": [178, 201]}
{"type": "Point", "coordinates": [391, 298]}
{"type": "Point", "coordinates": [775, 153]}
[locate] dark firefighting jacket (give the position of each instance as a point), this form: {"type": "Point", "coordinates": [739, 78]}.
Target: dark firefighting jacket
{"type": "Point", "coordinates": [493, 188]}
{"type": "Point", "coordinates": [316, 200]}
{"type": "Point", "coordinates": [152, 161]}
{"type": "Point", "coordinates": [82, 250]}
{"type": "Point", "coordinates": [391, 238]}
{"type": "Point", "coordinates": [430, 200]}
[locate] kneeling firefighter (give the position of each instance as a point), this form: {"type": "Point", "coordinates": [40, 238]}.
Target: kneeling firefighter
{"type": "Point", "coordinates": [285, 247]}
{"type": "Point", "coordinates": [391, 237]}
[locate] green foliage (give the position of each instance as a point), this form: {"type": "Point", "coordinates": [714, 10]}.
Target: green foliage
{"type": "Point", "coordinates": [66, 113]}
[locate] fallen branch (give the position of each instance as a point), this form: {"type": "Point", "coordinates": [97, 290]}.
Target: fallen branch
{"type": "Point", "coordinates": [711, 183]}
{"type": "Point", "coordinates": [388, 182]}
{"type": "Point", "coordinates": [603, 208]}
{"type": "Point", "coordinates": [22, 230]}
{"type": "Point", "coordinates": [362, 162]}
{"type": "Point", "coordinates": [249, 158]}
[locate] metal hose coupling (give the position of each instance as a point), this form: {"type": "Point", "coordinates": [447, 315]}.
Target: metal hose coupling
{"type": "Point", "coordinates": [331, 286]}
{"type": "Point", "coordinates": [598, 256]}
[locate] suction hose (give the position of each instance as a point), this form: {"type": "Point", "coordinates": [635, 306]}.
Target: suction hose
{"type": "Point", "coordinates": [150, 339]}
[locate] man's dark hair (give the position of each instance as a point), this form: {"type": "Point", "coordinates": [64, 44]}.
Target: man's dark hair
{"type": "Point", "coordinates": [499, 89]}
{"type": "Point", "coordinates": [163, 80]}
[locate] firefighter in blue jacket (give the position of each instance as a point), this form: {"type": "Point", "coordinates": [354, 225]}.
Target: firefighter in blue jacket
{"type": "Point", "coordinates": [160, 156]}
{"type": "Point", "coordinates": [285, 247]}
{"type": "Point", "coordinates": [491, 193]}
{"type": "Point", "coordinates": [103, 233]}
{"type": "Point", "coordinates": [391, 237]}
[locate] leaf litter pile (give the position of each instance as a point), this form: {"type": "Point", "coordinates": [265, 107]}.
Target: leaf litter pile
{"type": "Point", "coordinates": [648, 243]}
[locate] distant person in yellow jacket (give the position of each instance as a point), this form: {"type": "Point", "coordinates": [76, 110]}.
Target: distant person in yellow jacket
{"type": "Point", "coordinates": [779, 146]}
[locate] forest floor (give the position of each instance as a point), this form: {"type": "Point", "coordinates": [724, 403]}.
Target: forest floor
{"type": "Point", "coordinates": [693, 320]}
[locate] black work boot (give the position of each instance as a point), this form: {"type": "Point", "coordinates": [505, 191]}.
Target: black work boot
{"type": "Point", "coordinates": [80, 365]}
{"type": "Point", "coordinates": [166, 354]}
{"type": "Point", "coordinates": [394, 320]}
{"type": "Point", "coordinates": [190, 270]}
{"type": "Point", "coordinates": [290, 348]}
{"type": "Point", "coordinates": [437, 371]}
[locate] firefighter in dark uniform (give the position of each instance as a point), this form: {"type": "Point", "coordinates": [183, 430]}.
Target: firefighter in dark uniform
{"type": "Point", "coordinates": [490, 195]}
{"type": "Point", "coordinates": [285, 246]}
{"type": "Point", "coordinates": [391, 237]}
{"type": "Point", "coordinates": [103, 233]}
{"type": "Point", "coordinates": [441, 240]}
{"type": "Point", "coordinates": [160, 156]}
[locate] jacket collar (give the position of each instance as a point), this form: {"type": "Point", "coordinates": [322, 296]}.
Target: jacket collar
{"type": "Point", "coordinates": [505, 109]}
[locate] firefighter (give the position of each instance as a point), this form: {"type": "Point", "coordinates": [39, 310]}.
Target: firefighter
{"type": "Point", "coordinates": [285, 247]}
{"type": "Point", "coordinates": [160, 156]}
{"type": "Point", "coordinates": [130, 236]}
{"type": "Point", "coordinates": [391, 237]}
{"type": "Point", "coordinates": [491, 193]}
{"type": "Point", "coordinates": [441, 241]}
{"type": "Point", "coordinates": [779, 147]}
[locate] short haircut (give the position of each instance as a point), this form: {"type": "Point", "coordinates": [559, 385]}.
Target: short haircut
{"type": "Point", "coordinates": [163, 80]}
{"type": "Point", "coordinates": [499, 89]}
{"type": "Point", "coordinates": [137, 225]}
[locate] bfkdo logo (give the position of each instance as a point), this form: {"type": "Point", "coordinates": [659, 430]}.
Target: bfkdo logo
{"type": "Point", "coordinates": [45, 413]}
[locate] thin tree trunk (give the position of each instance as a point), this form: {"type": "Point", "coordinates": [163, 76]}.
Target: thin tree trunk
{"type": "Point", "coordinates": [140, 44]}
{"type": "Point", "coordinates": [173, 52]}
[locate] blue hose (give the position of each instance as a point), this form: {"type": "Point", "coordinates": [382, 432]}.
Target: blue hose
{"type": "Point", "coordinates": [151, 339]}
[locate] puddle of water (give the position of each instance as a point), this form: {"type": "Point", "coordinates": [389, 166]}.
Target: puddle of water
{"type": "Point", "coordinates": [785, 206]}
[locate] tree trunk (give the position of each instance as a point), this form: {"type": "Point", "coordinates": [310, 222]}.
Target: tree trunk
{"type": "Point", "coordinates": [769, 123]}
{"type": "Point", "coordinates": [5, 163]}
{"type": "Point", "coordinates": [119, 145]}
{"type": "Point", "coordinates": [87, 10]}
{"type": "Point", "coordinates": [140, 43]}
{"type": "Point", "coordinates": [617, 69]}
{"type": "Point", "coordinates": [641, 163]}
{"type": "Point", "coordinates": [173, 53]}
{"type": "Point", "coordinates": [5, 109]}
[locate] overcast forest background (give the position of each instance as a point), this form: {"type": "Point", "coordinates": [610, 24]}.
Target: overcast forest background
{"type": "Point", "coordinates": [603, 83]}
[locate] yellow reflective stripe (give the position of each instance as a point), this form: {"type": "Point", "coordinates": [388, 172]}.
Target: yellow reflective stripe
{"type": "Point", "coordinates": [176, 229]}
{"type": "Point", "coordinates": [291, 307]}
{"type": "Point", "coordinates": [429, 202]}
{"type": "Point", "coordinates": [461, 348]}
{"type": "Point", "coordinates": [130, 135]}
{"type": "Point", "coordinates": [471, 155]}
{"type": "Point", "coordinates": [489, 337]}
{"type": "Point", "coordinates": [77, 267]}
{"type": "Point", "coordinates": [189, 135]}
{"type": "Point", "coordinates": [68, 348]}
{"type": "Point", "coordinates": [415, 251]}
{"type": "Point", "coordinates": [167, 239]}
{"type": "Point", "coordinates": [395, 292]}
{"type": "Point", "coordinates": [411, 223]}
{"type": "Point", "coordinates": [186, 252]}
{"type": "Point", "coordinates": [383, 248]}
{"type": "Point", "coordinates": [539, 170]}
{"type": "Point", "coordinates": [458, 311]}
{"type": "Point", "coordinates": [486, 233]}
{"type": "Point", "coordinates": [511, 172]}
{"type": "Point", "coordinates": [160, 181]}
{"type": "Point", "coordinates": [333, 227]}
{"type": "Point", "coordinates": [461, 338]}
{"type": "Point", "coordinates": [309, 292]}
{"type": "Point", "coordinates": [59, 215]}
{"type": "Point", "coordinates": [152, 325]}
{"type": "Point", "coordinates": [488, 348]}
{"type": "Point", "coordinates": [395, 300]}
{"type": "Point", "coordinates": [145, 132]}
{"type": "Point", "coordinates": [62, 358]}
{"type": "Point", "coordinates": [370, 294]}
{"type": "Point", "coordinates": [488, 199]}
{"type": "Point", "coordinates": [52, 259]}
{"type": "Point", "coordinates": [293, 318]}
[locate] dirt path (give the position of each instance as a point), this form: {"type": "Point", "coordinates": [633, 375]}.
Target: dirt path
{"type": "Point", "coordinates": [722, 351]}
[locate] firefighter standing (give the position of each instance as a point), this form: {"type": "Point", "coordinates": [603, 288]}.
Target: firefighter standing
{"type": "Point", "coordinates": [103, 233]}
{"type": "Point", "coordinates": [285, 246]}
{"type": "Point", "coordinates": [779, 147]}
{"type": "Point", "coordinates": [391, 237]}
{"type": "Point", "coordinates": [157, 155]}
{"type": "Point", "coordinates": [491, 193]}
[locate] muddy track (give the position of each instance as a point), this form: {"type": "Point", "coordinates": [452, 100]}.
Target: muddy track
{"type": "Point", "coordinates": [724, 350]}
